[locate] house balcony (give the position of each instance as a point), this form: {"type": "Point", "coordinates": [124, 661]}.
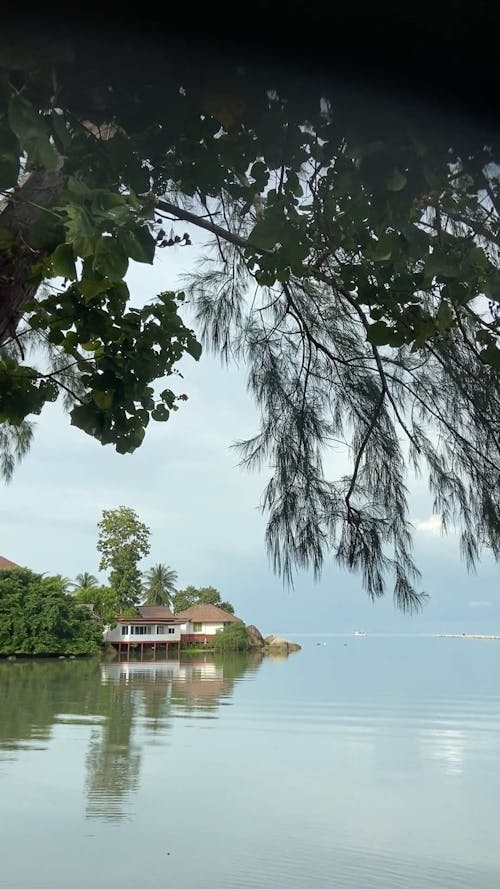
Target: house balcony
{"type": "Point", "coordinates": [158, 638]}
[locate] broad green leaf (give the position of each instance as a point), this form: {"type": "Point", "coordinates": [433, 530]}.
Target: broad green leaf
{"type": "Point", "coordinates": [90, 288]}
{"type": "Point", "coordinates": [425, 330]}
{"type": "Point", "coordinates": [71, 341]}
{"type": "Point", "coordinates": [110, 259]}
{"type": "Point", "coordinates": [77, 190]}
{"type": "Point", "coordinates": [84, 247]}
{"type": "Point", "coordinates": [445, 317]}
{"type": "Point", "coordinates": [138, 244]}
{"type": "Point", "coordinates": [265, 234]}
{"type": "Point", "coordinates": [104, 400]}
{"type": "Point", "coordinates": [418, 240]}
{"type": "Point", "coordinates": [78, 222]}
{"type": "Point", "coordinates": [194, 348]}
{"type": "Point", "coordinates": [63, 262]}
{"type": "Point", "coordinates": [86, 417]}
{"type": "Point", "coordinates": [104, 201]}
{"type": "Point", "coordinates": [32, 132]}
{"type": "Point", "coordinates": [92, 346]}
{"type": "Point", "coordinates": [379, 333]}
{"type": "Point", "coordinates": [258, 168]}
{"type": "Point", "coordinates": [160, 413]}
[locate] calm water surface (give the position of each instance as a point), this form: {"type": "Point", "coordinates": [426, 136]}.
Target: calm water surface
{"type": "Point", "coordinates": [363, 762]}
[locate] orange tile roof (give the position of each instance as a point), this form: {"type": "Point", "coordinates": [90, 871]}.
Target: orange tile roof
{"type": "Point", "coordinates": [207, 614]}
{"type": "Point", "coordinates": [6, 563]}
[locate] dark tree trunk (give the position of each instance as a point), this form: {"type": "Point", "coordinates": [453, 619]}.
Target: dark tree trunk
{"type": "Point", "coordinates": [40, 190]}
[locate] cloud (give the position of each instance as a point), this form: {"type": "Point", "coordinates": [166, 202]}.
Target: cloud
{"type": "Point", "coordinates": [479, 603]}
{"type": "Point", "coordinates": [432, 525]}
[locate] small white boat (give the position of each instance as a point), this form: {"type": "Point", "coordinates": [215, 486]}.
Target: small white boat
{"type": "Point", "coordinates": [358, 633]}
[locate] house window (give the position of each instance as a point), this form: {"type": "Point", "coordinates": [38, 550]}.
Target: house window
{"type": "Point", "coordinates": [171, 630]}
{"type": "Point", "coordinates": [161, 629]}
{"type": "Point", "coordinates": [197, 628]}
{"type": "Point", "coordinates": [139, 630]}
{"type": "Point", "coordinates": [124, 631]}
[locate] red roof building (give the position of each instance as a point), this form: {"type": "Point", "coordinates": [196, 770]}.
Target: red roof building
{"type": "Point", "coordinates": [7, 564]}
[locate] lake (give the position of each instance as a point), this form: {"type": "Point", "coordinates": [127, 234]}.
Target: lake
{"type": "Point", "coordinates": [356, 763]}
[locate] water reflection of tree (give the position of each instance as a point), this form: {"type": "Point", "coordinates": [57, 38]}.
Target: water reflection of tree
{"type": "Point", "coordinates": [34, 693]}
{"type": "Point", "coordinates": [150, 694]}
{"type": "Point", "coordinates": [208, 679]}
{"type": "Point", "coordinates": [113, 760]}
{"type": "Point", "coordinates": [117, 700]}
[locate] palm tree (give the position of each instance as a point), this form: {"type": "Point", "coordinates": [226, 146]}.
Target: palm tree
{"type": "Point", "coordinates": [84, 581]}
{"type": "Point", "coordinates": [160, 585]}
{"type": "Point", "coordinates": [64, 582]}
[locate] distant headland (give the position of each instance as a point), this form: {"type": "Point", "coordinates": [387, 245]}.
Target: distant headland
{"type": "Point", "coordinates": [466, 636]}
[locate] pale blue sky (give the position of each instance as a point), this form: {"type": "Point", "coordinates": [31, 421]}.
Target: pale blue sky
{"type": "Point", "coordinates": [203, 510]}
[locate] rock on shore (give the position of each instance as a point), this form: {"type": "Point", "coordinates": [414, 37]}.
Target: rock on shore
{"type": "Point", "coordinates": [271, 644]}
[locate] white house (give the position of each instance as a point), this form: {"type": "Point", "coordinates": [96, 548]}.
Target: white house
{"type": "Point", "coordinates": [154, 626]}
{"type": "Point", "coordinates": [201, 622]}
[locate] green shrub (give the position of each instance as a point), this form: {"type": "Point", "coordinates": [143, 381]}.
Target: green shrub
{"type": "Point", "coordinates": [234, 637]}
{"type": "Point", "coordinates": [38, 618]}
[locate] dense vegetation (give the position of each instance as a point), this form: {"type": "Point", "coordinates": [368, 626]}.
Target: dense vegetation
{"type": "Point", "coordinates": [183, 599]}
{"type": "Point", "coordinates": [38, 618]}
{"type": "Point", "coordinates": [369, 244]}
{"type": "Point", "coordinates": [233, 637]}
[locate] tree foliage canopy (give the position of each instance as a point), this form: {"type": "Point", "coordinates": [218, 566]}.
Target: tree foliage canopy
{"type": "Point", "coordinates": [38, 618]}
{"type": "Point", "coordinates": [355, 269]}
{"type": "Point", "coordinates": [122, 542]}
{"type": "Point", "coordinates": [191, 595]}
{"type": "Point", "coordinates": [104, 601]}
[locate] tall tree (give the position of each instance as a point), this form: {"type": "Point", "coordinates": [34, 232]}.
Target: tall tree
{"type": "Point", "coordinates": [123, 541]}
{"type": "Point", "coordinates": [368, 238]}
{"type": "Point", "coordinates": [159, 586]}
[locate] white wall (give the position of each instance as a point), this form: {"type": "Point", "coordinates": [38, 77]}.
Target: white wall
{"type": "Point", "coordinates": [115, 635]}
{"type": "Point", "coordinates": [206, 629]}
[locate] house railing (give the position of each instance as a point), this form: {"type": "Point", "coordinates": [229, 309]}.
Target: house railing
{"type": "Point", "coordinates": [148, 637]}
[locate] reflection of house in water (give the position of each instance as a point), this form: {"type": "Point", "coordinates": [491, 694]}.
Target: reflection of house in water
{"type": "Point", "coordinates": [144, 700]}
{"type": "Point", "coordinates": [124, 705]}
{"type": "Point", "coordinates": [196, 684]}
{"type": "Point", "coordinates": [132, 673]}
